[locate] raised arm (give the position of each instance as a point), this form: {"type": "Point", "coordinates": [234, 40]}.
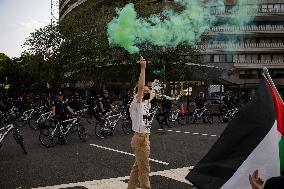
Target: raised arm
{"type": "Point", "coordinates": [141, 82]}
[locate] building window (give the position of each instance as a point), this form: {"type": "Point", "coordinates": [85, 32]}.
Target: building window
{"type": "Point", "coordinates": [235, 58]}
{"type": "Point", "coordinates": [206, 58]}
{"type": "Point", "coordinates": [248, 58]}
{"type": "Point", "coordinates": [248, 74]}
{"type": "Point", "coordinates": [229, 58]}
{"type": "Point", "coordinates": [278, 57]}
{"type": "Point", "coordinates": [270, 7]}
{"type": "Point", "coordinates": [279, 74]}
{"type": "Point", "coordinates": [266, 57]}
{"type": "Point", "coordinates": [216, 58]}
{"type": "Point", "coordinates": [222, 58]}
{"type": "Point", "coordinates": [277, 6]}
{"type": "Point", "coordinates": [255, 57]}
{"type": "Point", "coordinates": [264, 8]}
{"type": "Point", "coordinates": [242, 57]}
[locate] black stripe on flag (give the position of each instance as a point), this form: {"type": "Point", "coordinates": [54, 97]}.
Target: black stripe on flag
{"type": "Point", "coordinates": [235, 144]}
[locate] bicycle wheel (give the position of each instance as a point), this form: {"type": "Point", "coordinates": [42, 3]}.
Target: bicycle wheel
{"type": "Point", "coordinates": [19, 139]}
{"type": "Point", "coordinates": [33, 122]}
{"type": "Point", "coordinates": [46, 138]}
{"type": "Point", "coordinates": [86, 116]}
{"type": "Point", "coordinates": [169, 122]}
{"type": "Point", "coordinates": [82, 133]}
{"type": "Point", "coordinates": [21, 121]}
{"type": "Point", "coordinates": [220, 118]}
{"type": "Point", "coordinates": [194, 118]}
{"type": "Point", "coordinates": [182, 119]}
{"type": "Point", "coordinates": [100, 130]}
{"type": "Point", "coordinates": [209, 117]}
{"type": "Point", "coordinates": [127, 127]}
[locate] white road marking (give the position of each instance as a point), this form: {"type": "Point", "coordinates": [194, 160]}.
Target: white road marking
{"type": "Point", "coordinates": [178, 174]}
{"type": "Point", "coordinates": [187, 132]}
{"type": "Point", "coordinates": [160, 129]}
{"type": "Point", "coordinates": [126, 153]}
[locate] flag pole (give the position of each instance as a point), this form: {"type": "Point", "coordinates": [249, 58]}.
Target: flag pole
{"type": "Point", "coordinates": [267, 76]}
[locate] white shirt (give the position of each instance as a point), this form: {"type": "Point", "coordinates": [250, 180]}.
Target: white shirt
{"type": "Point", "coordinates": [140, 116]}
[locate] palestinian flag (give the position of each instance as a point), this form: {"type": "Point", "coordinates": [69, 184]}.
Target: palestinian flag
{"type": "Point", "coordinates": [250, 142]}
{"type": "Point", "coordinates": [279, 109]}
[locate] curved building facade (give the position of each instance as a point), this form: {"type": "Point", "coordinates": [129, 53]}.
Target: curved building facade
{"type": "Point", "coordinates": [259, 44]}
{"type": "Point", "coordinates": [67, 6]}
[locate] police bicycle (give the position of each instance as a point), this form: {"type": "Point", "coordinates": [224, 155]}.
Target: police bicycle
{"type": "Point", "coordinates": [53, 134]}
{"type": "Point", "coordinates": [108, 123]}
{"type": "Point", "coordinates": [201, 113]}
{"type": "Point", "coordinates": [16, 134]}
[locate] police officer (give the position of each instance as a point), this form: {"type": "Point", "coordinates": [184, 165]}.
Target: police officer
{"type": "Point", "coordinates": [167, 101]}
{"type": "Point", "coordinates": [105, 104]}
{"type": "Point", "coordinates": [200, 104]}
{"type": "Point", "coordinates": [60, 108]}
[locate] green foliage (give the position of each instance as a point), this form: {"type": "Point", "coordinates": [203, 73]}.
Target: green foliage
{"type": "Point", "coordinates": [45, 41]}
{"type": "Point", "coordinates": [5, 63]}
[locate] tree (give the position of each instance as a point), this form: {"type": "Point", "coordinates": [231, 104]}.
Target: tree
{"type": "Point", "coordinates": [42, 55]}
{"type": "Point", "coordinates": [4, 61]}
{"type": "Point", "coordinates": [45, 41]}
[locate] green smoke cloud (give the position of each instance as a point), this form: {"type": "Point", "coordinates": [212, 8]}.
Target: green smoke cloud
{"type": "Point", "coordinates": [129, 31]}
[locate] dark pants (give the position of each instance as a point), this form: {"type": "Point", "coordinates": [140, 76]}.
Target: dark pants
{"type": "Point", "coordinates": [60, 119]}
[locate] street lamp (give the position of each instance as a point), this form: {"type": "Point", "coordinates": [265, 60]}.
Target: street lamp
{"type": "Point", "coordinates": [164, 65]}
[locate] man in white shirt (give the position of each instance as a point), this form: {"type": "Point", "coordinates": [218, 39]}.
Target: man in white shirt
{"type": "Point", "coordinates": [141, 123]}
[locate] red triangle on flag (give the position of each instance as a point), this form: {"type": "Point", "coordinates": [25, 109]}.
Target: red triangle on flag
{"type": "Point", "coordinates": [279, 109]}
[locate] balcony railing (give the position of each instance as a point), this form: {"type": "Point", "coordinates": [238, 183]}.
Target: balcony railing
{"type": "Point", "coordinates": [70, 8]}
{"type": "Point", "coordinates": [259, 62]}
{"type": "Point", "coordinates": [253, 28]}
{"type": "Point", "coordinates": [63, 5]}
{"type": "Point", "coordinates": [248, 10]}
{"type": "Point", "coordinates": [240, 46]}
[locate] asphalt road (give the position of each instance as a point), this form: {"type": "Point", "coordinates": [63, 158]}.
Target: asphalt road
{"type": "Point", "coordinates": [104, 163]}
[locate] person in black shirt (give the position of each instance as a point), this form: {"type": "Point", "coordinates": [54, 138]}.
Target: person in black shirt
{"type": "Point", "coordinates": [127, 99]}
{"type": "Point", "coordinates": [199, 104]}
{"type": "Point", "coordinates": [60, 108]}
{"type": "Point", "coordinates": [199, 101]}
{"type": "Point", "coordinates": [91, 102]}
{"type": "Point", "coordinates": [75, 103]}
{"type": "Point", "coordinates": [166, 106]}
{"type": "Point", "coordinates": [105, 104]}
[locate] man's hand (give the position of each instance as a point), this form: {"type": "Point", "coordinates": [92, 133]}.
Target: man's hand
{"type": "Point", "coordinates": [142, 62]}
{"type": "Point", "coordinates": [255, 181]}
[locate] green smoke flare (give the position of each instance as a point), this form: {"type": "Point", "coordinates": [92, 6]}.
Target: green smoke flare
{"type": "Point", "coordinates": [188, 26]}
